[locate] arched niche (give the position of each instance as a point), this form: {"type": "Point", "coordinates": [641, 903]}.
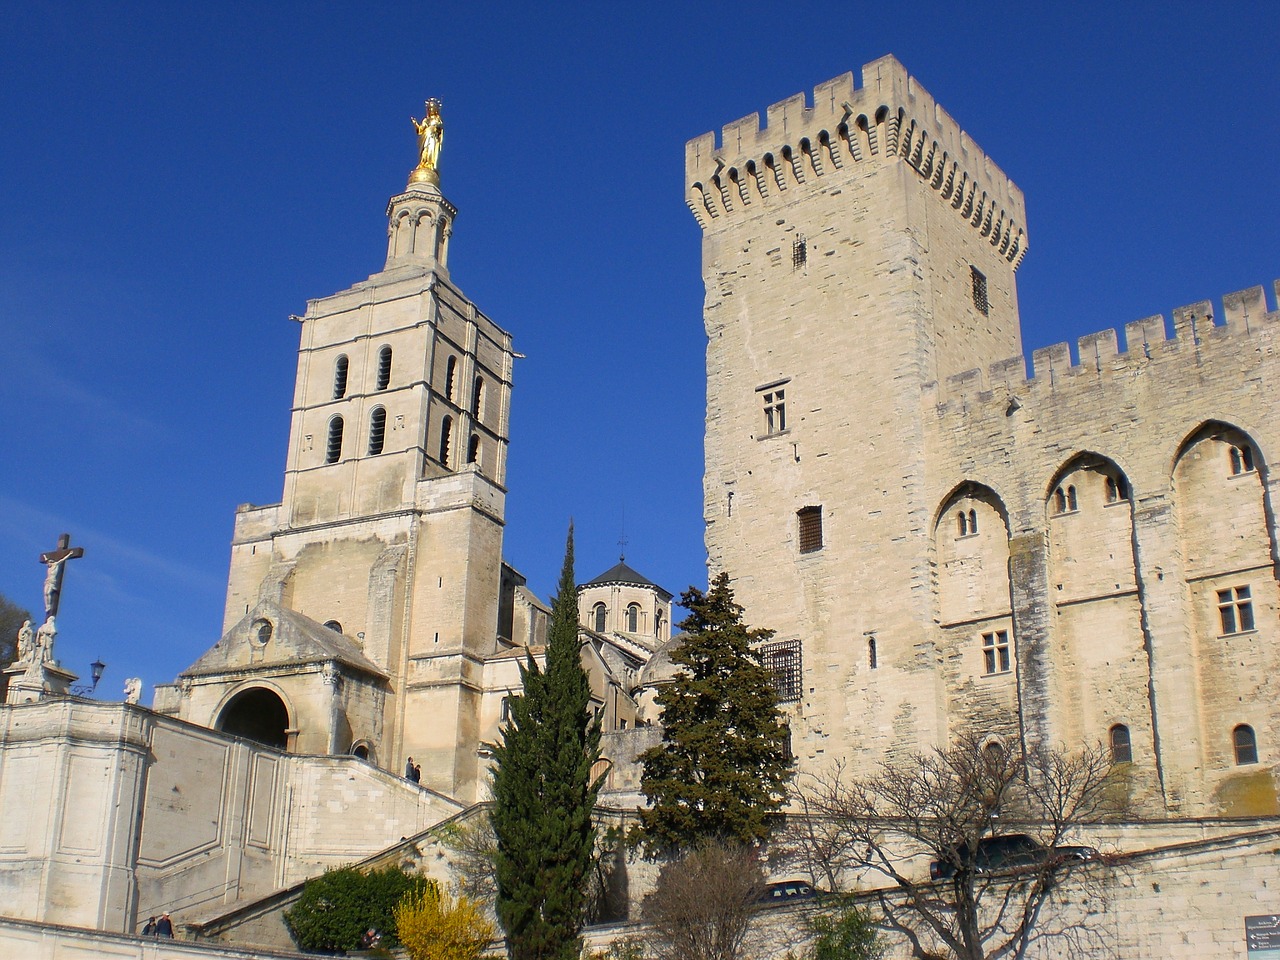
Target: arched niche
{"type": "Point", "coordinates": [258, 714]}
{"type": "Point", "coordinates": [971, 540]}
{"type": "Point", "coordinates": [1089, 512]}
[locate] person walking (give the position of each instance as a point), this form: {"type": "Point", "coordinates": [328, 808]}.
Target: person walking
{"type": "Point", "coordinates": [164, 926]}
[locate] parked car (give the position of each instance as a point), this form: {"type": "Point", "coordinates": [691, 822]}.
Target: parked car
{"type": "Point", "coordinates": [787, 891]}
{"type": "Point", "coordinates": [1010, 851]}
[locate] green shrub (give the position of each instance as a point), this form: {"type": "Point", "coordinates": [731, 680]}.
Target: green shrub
{"type": "Point", "coordinates": [336, 908]}
{"type": "Point", "coordinates": [846, 933]}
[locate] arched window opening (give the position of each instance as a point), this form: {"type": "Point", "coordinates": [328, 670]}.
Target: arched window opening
{"type": "Point", "coordinates": [477, 399]}
{"type": "Point", "coordinates": [446, 437]}
{"type": "Point", "coordinates": [973, 521]}
{"type": "Point", "coordinates": [1246, 744]}
{"type": "Point", "coordinates": [450, 369]}
{"type": "Point", "coordinates": [598, 613]}
{"type": "Point", "coordinates": [384, 368]}
{"type": "Point", "coordinates": [1241, 460]}
{"type": "Point", "coordinates": [993, 753]}
{"type": "Point", "coordinates": [473, 449]}
{"type": "Point", "coordinates": [1117, 489]}
{"type": "Point", "coordinates": [333, 625]}
{"type": "Point", "coordinates": [333, 449]}
{"type": "Point", "coordinates": [658, 623]}
{"type": "Point", "coordinates": [1072, 506]}
{"type": "Point", "coordinates": [340, 377]}
{"type": "Point", "coordinates": [256, 714]}
{"type": "Point", "coordinates": [633, 617]}
{"type": "Point", "coordinates": [360, 751]}
{"type": "Point", "coordinates": [1121, 746]}
{"type": "Point", "coordinates": [962, 522]}
{"type": "Point", "coordinates": [872, 657]}
{"type": "Point", "coordinates": [262, 631]}
{"type": "Point", "coordinates": [377, 430]}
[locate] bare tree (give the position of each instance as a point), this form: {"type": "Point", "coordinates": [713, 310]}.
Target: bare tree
{"type": "Point", "coordinates": [704, 903]}
{"type": "Point", "coordinates": [995, 824]}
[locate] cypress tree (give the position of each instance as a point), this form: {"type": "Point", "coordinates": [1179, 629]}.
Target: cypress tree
{"type": "Point", "coordinates": [724, 764]}
{"type": "Point", "coordinates": [543, 794]}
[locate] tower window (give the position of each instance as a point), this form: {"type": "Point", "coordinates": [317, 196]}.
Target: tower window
{"type": "Point", "coordinates": [377, 430]}
{"type": "Point", "coordinates": [967, 522]}
{"type": "Point", "coordinates": [1241, 460]}
{"type": "Point", "coordinates": [333, 449]}
{"type": "Point", "coordinates": [333, 625]}
{"type": "Point", "coordinates": [446, 437]}
{"type": "Point", "coordinates": [384, 369]}
{"type": "Point", "coordinates": [633, 617]}
{"type": "Point", "coordinates": [810, 522]}
{"type": "Point", "coordinates": [873, 659]}
{"type": "Point", "coordinates": [450, 370]}
{"type": "Point", "coordinates": [1121, 746]}
{"type": "Point", "coordinates": [1064, 500]}
{"type": "Point", "coordinates": [1235, 609]}
{"type": "Point", "coordinates": [477, 399]}
{"type": "Point", "coordinates": [598, 614]}
{"type": "Point", "coordinates": [1117, 489]}
{"type": "Point", "coordinates": [979, 282]}
{"type": "Point", "coordinates": [995, 652]}
{"type": "Point", "coordinates": [799, 253]}
{"type": "Point", "coordinates": [340, 377]}
{"type": "Point", "coordinates": [1246, 744]}
{"type": "Point", "coordinates": [775, 409]}
{"type": "Point", "coordinates": [473, 449]}
{"type": "Point", "coordinates": [262, 631]}
{"type": "Point", "coordinates": [782, 659]}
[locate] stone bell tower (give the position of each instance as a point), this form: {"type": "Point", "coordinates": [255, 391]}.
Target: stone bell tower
{"type": "Point", "coordinates": [382, 562]}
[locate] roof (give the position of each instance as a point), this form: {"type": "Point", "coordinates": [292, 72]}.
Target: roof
{"type": "Point", "coordinates": [621, 573]}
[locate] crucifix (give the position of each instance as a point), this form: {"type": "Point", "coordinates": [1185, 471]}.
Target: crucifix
{"type": "Point", "coordinates": [56, 560]}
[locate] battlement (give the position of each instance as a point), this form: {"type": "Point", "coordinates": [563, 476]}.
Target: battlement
{"type": "Point", "coordinates": [889, 117]}
{"type": "Point", "coordinates": [1199, 334]}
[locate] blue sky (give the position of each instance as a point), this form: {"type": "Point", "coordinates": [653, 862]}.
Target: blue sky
{"type": "Point", "coordinates": [177, 179]}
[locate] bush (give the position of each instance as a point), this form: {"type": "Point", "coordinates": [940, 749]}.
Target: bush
{"type": "Point", "coordinates": [845, 934]}
{"type": "Point", "coordinates": [336, 908]}
{"type": "Point", "coordinates": [433, 926]}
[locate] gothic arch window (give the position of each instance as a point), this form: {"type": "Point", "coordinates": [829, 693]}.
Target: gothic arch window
{"type": "Point", "coordinates": [377, 430]}
{"type": "Point", "coordinates": [446, 437]}
{"type": "Point", "coordinates": [477, 399]}
{"type": "Point", "coordinates": [973, 571]}
{"type": "Point", "coordinates": [333, 448]}
{"type": "Point", "coordinates": [598, 614]}
{"type": "Point", "coordinates": [384, 369]}
{"type": "Point", "coordinates": [1241, 457]}
{"type": "Point", "coordinates": [473, 449]}
{"type": "Point", "coordinates": [1116, 489]}
{"type": "Point", "coordinates": [633, 617]}
{"type": "Point", "coordinates": [340, 377]}
{"type": "Point", "coordinates": [967, 522]}
{"type": "Point", "coordinates": [1065, 499]}
{"type": "Point", "coordinates": [450, 374]}
{"type": "Point", "coordinates": [1245, 743]}
{"type": "Point", "coordinates": [1121, 745]}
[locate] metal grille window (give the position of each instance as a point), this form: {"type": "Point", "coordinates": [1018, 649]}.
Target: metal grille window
{"type": "Point", "coordinates": [980, 300]}
{"type": "Point", "coordinates": [995, 651]}
{"type": "Point", "coordinates": [333, 449]}
{"type": "Point", "coordinates": [377, 430]}
{"type": "Point", "coordinates": [340, 377]}
{"type": "Point", "coordinates": [810, 520]}
{"type": "Point", "coordinates": [782, 659]}
{"type": "Point", "coordinates": [799, 253]}
{"type": "Point", "coordinates": [384, 368]}
{"type": "Point", "coordinates": [1235, 609]}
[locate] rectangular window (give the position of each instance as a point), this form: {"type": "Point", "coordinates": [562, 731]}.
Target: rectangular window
{"type": "Point", "coordinates": [810, 520]}
{"type": "Point", "coordinates": [782, 659]}
{"type": "Point", "coordinates": [995, 652]}
{"type": "Point", "coordinates": [775, 410]}
{"type": "Point", "coordinates": [799, 253]}
{"type": "Point", "coordinates": [980, 291]}
{"type": "Point", "coordinates": [1235, 609]}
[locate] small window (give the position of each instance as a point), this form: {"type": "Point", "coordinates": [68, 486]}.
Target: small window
{"type": "Point", "coordinates": [333, 625]}
{"type": "Point", "coordinates": [377, 430]}
{"type": "Point", "coordinates": [333, 449]}
{"type": "Point", "coordinates": [782, 660]}
{"type": "Point", "coordinates": [1064, 500]}
{"type": "Point", "coordinates": [980, 300]}
{"type": "Point", "coordinates": [995, 652]}
{"type": "Point", "coordinates": [873, 657]}
{"type": "Point", "coordinates": [1117, 489]}
{"type": "Point", "coordinates": [633, 617]}
{"type": "Point", "coordinates": [477, 399]}
{"type": "Point", "coordinates": [598, 613]}
{"type": "Point", "coordinates": [262, 631]}
{"type": "Point", "coordinates": [1121, 747]}
{"type": "Point", "coordinates": [1246, 744]}
{"type": "Point", "coordinates": [799, 253]}
{"type": "Point", "coordinates": [1241, 460]}
{"type": "Point", "coordinates": [967, 522]}
{"type": "Point", "coordinates": [810, 521]}
{"type": "Point", "coordinates": [384, 368]}
{"type": "Point", "coordinates": [775, 410]}
{"type": "Point", "coordinates": [473, 449]}
{"type": "Point", "coordinates": [658, 624]}
{"type": "Point", "coordinates": [1235, 609]}
{"type": "Point", "coordinates": [340, 377]}
{"type": "Point", "coordinates": [446, 438]}
{"type": "Point", "coordinates": [504, 710]}
{"type": "Point", "coordinates": [450, 371]}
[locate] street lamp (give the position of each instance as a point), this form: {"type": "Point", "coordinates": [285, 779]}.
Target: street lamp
{"type": "Point", "coordinates": [86, 689]}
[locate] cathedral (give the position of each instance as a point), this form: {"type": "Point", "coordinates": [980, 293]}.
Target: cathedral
{"type": "Point", "coordinates": [943, 541]}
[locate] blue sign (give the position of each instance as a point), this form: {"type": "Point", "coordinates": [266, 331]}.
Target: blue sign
{"type": "Point", "coordinates": [1262, 937]}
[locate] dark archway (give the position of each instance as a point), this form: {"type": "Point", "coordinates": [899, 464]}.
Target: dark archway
{"type": "Point", "coordinates": [257, 714]}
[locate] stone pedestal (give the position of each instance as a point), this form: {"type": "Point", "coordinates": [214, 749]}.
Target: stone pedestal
{"type": "Point", "coordinates": [29, 682]}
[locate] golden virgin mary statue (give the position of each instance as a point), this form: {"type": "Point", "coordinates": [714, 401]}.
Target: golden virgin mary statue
{"type": "Point", "coordinates": [430, 139]}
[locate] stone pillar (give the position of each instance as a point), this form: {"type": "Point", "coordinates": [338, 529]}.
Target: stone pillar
{"type": "Point", "coordinates": [1029, 598]}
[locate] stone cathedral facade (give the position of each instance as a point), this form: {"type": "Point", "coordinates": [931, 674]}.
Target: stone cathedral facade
{"type": "Point", "coordinates": [1087, 553]}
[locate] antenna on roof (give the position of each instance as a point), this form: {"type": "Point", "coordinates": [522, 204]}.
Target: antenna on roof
{"type": "Point", "coordinates": [622, 540]}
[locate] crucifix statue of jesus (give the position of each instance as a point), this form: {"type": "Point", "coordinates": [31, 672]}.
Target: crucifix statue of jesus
{"type": "Point", "coordinates": [56, 559]}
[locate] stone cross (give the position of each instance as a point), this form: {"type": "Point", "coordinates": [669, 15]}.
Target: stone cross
{"type": "Point", "coordinates": [55, 560]}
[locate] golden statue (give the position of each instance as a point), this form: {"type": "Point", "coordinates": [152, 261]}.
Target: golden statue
{"type": "Point", "coordinates": [430, 139]}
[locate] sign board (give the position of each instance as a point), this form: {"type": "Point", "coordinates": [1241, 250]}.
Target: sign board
{"type": "Point", "coordinates": [1262, 937]}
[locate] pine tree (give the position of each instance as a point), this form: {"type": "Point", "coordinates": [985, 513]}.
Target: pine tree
{"type": "Point", "coordinates": [723, 765]}
{"type": "Point", "coordinates": [544, 796]}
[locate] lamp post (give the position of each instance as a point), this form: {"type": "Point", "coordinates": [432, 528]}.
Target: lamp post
{"type": "Point", "coordinates": [86, 689]}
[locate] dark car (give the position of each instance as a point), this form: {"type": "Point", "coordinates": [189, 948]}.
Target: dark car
{"type": "Point", "coordinates": [1011, 851]}
{"type": "Point", "coordinates": [787, 891]}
